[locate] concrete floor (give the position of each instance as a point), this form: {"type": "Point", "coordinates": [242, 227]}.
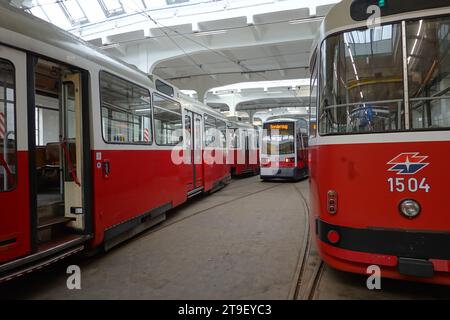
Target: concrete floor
{"type": "Point", "coordinates": [242, 242]}
{"type": "Point", "coordinates": [246, 241]}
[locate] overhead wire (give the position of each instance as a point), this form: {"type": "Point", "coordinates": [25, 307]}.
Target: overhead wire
{"type": "Point", "coordinates": [244, 69]}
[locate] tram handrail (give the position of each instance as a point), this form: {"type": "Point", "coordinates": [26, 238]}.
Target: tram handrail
{"type": "Point", "coordinates": [360, 103]}
{"type": "Point", "coordinates": [385, 101]}
{"type": "Point", "coordinates": [72, 170]}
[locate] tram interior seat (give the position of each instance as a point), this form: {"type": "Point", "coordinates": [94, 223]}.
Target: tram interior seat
{"type": "Point", "coordinates": [48, 167]}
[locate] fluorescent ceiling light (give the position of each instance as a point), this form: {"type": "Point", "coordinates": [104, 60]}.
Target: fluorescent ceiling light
{"type": "Point", "coordinates": [306, 20]}
{"type": "Point", "coordinates": [226, 94]}
{"type": "Point", "coordinates": [210, 33]}
{"type": "Point", "coordinates": [110, 46]}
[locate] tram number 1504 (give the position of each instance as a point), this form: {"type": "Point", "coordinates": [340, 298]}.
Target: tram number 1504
{"type": "Point", "coordinates": [408, 184]}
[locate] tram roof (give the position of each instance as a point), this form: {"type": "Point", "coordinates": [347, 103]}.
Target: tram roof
{"type": "Point", "coordinates": [20, 22]}
{"type": "Point", "coordinates": [339, 17]}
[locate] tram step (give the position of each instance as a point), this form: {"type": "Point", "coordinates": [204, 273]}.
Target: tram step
{"type": "Point", "coordinates": [52, 221]}
{"type": "Point", "coordinates": [50, 210]}
{"type": "Point", "coordinates": [194, 192]}
{"type": "Point", "coordinates": [48, 226]}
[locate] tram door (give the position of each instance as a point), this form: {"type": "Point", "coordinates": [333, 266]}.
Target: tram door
{"type": "Point", "coordinates": [247, 147]}
{"type": "Point", "coordinates": [198, 150]}
{"type": "Point", "coordinates": [193, 147]}
{"type": "Point", "coordinates": [14, 183]}
{"type": "Point", "coordinates": [71, 148]}
{"type": "Point", "coordinates": [188, 147]}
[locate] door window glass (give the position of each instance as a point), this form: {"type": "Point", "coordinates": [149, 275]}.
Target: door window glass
{"type": "Point", "coordinates": [8, 147]}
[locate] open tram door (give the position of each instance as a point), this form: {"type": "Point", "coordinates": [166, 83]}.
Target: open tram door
{"type": "Point", "coordinates": [61, 152]}
{"type": "Point", "coordinates": [194, 149]}
{"type": "Point", "coordinates": [71, 149]}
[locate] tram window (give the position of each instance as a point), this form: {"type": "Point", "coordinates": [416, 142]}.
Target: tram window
{"type": "Point", "coordinates": [234, 137]}
{"type": "Point", "coordinates": [278, 139]}
{"type": "Point", "coordinates": [8, 148]}
{"type": "Point", "coordinates": [168, 121]}
{"type": "Point", "coordinates": [164, 88]}
{"type": "Point", "coordinates": [188, 131]}
{"type": "Point", "coordinates": [253, 139]}
{"type": "Point", "coordinates": [428, 45]}
{"type": "Point", "coordinates": [361, 81]}
{"type": "Point", "coordinates": [313, 98]}
{"type": "Point", "coordinates": [222, 131]}
{"type": "Point", "coordinates": [47, 125]}
{"type": "Point", "coordinates": [126, 111]}
{"type": "Point", "coordinates": [210, 131]}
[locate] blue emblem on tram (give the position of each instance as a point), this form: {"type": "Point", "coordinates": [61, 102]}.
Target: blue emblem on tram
{"type": "Point", "coordinates": [408, 163]}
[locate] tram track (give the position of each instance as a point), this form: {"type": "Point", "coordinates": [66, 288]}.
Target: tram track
{"type": "Point", "coordinates": [309, 267]}
{"type": "Point", "coordinates": [167, 223]}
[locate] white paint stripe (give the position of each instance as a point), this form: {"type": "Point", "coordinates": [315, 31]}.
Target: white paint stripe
{"type": "Point", "coordinates": [422, 136]}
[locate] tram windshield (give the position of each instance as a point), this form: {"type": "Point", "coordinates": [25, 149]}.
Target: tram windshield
{"type": "Point", "coordinates": [362, 82]}
{"type": "Point", "coordinates": [278, 139]}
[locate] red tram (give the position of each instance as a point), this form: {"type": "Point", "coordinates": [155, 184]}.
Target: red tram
{"type": "Point", "coordinates": [88, 146]}
{"type": "Point", "coordinates": [379, 155]}
{"type": "Point", "coordinates": [284, 152]}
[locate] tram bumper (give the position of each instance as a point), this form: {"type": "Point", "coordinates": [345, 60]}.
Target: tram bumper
{"type": "Point", "coordinates": [405, 254]}
{"type": "Point", "coordinates": [281, 173]}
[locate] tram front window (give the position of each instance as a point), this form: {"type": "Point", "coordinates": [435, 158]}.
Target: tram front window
{"type": "Point", "coordinates": [361, 79]}
{"type": "Point", "coordinates": [278, 139]}
{"type": "Point", "coordinates": [428, 45]}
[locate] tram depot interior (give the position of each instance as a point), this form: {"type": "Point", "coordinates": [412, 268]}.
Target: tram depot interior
{"type": "Point", "coordinates": [329, 133]}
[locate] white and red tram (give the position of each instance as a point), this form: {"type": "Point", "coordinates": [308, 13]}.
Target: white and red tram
{"type": "Point", "coordinates": [88, 146]}
{"type": "Point", "coordinates": [380, 150]}
{"type": "Point", "coordinates": [284, 149]}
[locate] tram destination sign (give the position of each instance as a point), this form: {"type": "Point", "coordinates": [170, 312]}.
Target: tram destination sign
{"type": "Point", "coordinates": [358, 8]}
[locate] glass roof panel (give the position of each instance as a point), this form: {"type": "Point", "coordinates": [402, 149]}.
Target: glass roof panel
{"type": "Point", "coordinates": [131, 6]}
{"type": "Point", "coordinates": [74, 11]}
{"type": "Point", "coordinates": [93, 10]}
{"type": "Point", "coordinates": [56, 15]}
{"type": "Point", "coordinates": [111, 7]}
{"type": "Point", "coordinates": [39, 12]}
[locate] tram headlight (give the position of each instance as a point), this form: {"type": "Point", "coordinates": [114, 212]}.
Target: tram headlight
{"type": "Point", "coordinates": [410, 208]}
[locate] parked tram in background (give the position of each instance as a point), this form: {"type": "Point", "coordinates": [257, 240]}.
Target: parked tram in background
{"type": "Point", "coordinates": [379, 153]}
{"type": "Point", "coordinates": [284, 149]}
{"type": "Point", "coordinates": [88, 146]}
{"type": "Point", "coordinates": [244, 148]}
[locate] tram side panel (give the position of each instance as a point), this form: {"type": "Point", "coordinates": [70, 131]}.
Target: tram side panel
{"type": "Point", "coordinates": [370, 181]}
{"type": "Point", "coordinates": [137, 183]}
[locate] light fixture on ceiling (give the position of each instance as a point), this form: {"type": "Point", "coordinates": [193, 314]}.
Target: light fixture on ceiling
{"type": "Point", "coordinates": [210, 33]}
{"type": "Point", "coordinates": [110, 46]}
{"type": "Point", "coordinates": [306, 20]}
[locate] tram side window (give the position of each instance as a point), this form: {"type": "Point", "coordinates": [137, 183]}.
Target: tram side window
{"type": "Point", "coordinates": [126, 111]}
{"type": "Point", "coordinates": [361, 81]}
{"type": "Point", "coordinates": [210, 131]}
{"type": "Point", "coordinates": [222, 131]}
{"type": "Point", "coordinates": [168, 121]}
{"type": "Point", "coordinates": [428, 45]}
{"type": "Point", "coordinates": [234, 137]}
{"type": "Point", "coordinates": [8, 151]}
{"type": "Point", "coordinates": [252, 139]}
